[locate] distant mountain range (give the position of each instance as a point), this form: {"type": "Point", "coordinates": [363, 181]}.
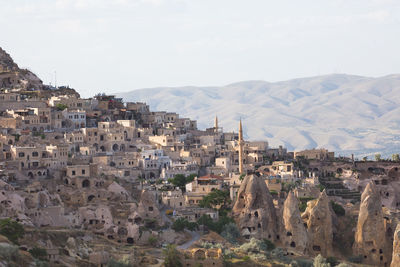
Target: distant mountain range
{"type": "Point", "coordinates": [344, 113]}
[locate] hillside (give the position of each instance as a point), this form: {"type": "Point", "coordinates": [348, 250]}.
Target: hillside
{"type": "Point", "coordinates": [344, 113]}
{"type": "Point", "coordinates": [11, 76]}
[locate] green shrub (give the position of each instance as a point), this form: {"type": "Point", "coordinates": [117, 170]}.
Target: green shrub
{"type": "Point", "coordinates": [356, 259]}
{"type": "Point", "coordinates": [230, 232]}
{"type": "Point", "coordinates": [246, 258]}
{"type": "Point", "coordinates": [152, 240]}
{"type": "Point", "coordinates": [254, 245]}
{"type": "Point", "coordinates": [171, 256]}
{"type": "Point", "coordinates": [332, 261]}
{"type": "Point", "coordinates": [215, 226]}
{"type": "Point", "coordinates": [11, 229]}
{"type": "Point", "coordinates": [301, 263]}
{"type": "Point", "coordinates": [338, 209]}
{"type": "Point", "coordinates": [39, 263]}
{"type": "Point", "coordinates": [320, 261]}
{"type": "Point", "coordinates": [273, 192]}
{"type": "Point", "coordinates": [61, 107]}
{"type": "Point", "coordinates": [114, 263]}
{"type": "Point", "coordinates": [302, 206]}
{"type": "Point", "coordinates": [180, 224]}
{"type": "Point", "coordinates": [8, 252]}
{"type": "Point", "coordinates": [38, 253]}
{"type": "Point", "coordinates": [268, 244]}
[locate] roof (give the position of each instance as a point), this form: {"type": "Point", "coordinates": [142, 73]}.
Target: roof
{"type": "Point", "coordinates": [210, 177]}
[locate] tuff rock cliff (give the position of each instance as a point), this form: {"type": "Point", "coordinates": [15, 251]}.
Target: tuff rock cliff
{"type": "Point", "coordinates": [295, 235]}
{"type": "Point", "coordinates": [396, 248]}
{"type": "Point", "coordinates": [254, 211]}
{"type": "Point", "coordinates": [370, 241]}
{"type": "Point", "coordinates": [318, 217]}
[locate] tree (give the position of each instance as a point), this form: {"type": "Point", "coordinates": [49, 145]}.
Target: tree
{"type": "Point", "coordinates": [190, 178]}
{"type": "Point", "coordinates": [338, 209]}
{"type": "Point", "coordinates": [215, 198]}
{"type": "Point", "coordinates": [230, 232]}
{"type": "Point", "coordinates": [395, 157]}
{"type": "Point", "coordinates": [11, 229]}
{"type": "Point", "coordinates": [377, 157]}
{"type": "Point", "coordinates": [181, 180]}
{"type": "Point", "coordinates": [180, 224]}
{"type": "Point", "coordinates": [38, 253]}
{"type": "Point", "coordinates": [215, 226]}
{"type": "Point", "coordinates": [61, 107]}
{"type": "Point", "coordinates": [171, 257]}
{"type": "Point", "coordinates": [268, 244]}
{"type": "Point", "coordinates": [365, 158]}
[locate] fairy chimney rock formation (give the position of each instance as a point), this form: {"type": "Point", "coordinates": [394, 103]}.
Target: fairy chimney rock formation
{"type": "Point", "coordinates": [318, 216]}
{"type": "Point", "coordinates": [295, 232]}
{"type": "Point", "coordinates": [396, 248]}
{"type": "Point", "coordinates": [370, 234]}
{"type": "Point", "coordinates": [254, 211]}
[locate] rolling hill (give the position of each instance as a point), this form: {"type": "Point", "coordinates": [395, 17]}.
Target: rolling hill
{"type": "Point", "coordinates": [344, 113]}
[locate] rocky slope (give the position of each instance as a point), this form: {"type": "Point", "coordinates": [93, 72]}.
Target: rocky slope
{"type": "Point", "coordinates": [11, 76]}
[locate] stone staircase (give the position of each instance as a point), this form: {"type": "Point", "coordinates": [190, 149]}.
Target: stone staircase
{"type": "Point", "coordinates": [335, 187]}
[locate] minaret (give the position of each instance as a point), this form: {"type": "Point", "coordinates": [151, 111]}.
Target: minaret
{"type": "Point", "coordinates": [240, 147]}
{"type": "Point", "coordinates": [216, 123]}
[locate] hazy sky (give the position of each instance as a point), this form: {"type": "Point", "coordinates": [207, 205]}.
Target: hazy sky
{"type": "Point", "coordinates": [113, 46]}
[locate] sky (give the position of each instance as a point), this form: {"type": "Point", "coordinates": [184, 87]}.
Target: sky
{"type": "Point", "coordinates": [115, 46]}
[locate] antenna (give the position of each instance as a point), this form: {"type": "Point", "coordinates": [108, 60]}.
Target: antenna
{"type": "Point", "coordinates": [55, 79]}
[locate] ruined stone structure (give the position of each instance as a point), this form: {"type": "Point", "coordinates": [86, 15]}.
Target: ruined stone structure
{"type": "Point", "coordinates": [318, 217]}
{"type": "Point", "coordinates": [370, 234]}
{"type": "Point", "coordinates": [295, 235]}
{"type": "Point", "coordinates": [254, 210]}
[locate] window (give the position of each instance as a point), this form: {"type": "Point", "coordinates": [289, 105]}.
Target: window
{"type": "Point", "coordinates": [73, 172]}
{"type": "Point", "coordinates": [35, 164]}
{"type": "Point", "coordinates": [83, 171]}
{"type": "Point", "coordinates": [35, 154]}
{"type": "Point", "coordinates": [21, 154]}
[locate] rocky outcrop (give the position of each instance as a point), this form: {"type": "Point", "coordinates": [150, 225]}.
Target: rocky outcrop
{"type": "Point", "coordinates": [396, 248]}
{"type": "Point", "coordinates": [254, 211]}
{"type": "Point", "coordinates": [318, 217]}
{"type": "Point", "coordinates": [11, 76]}
{"type": "Point", "coordinates": [370, 234]}
{"type": "Point", "coordinates": [295, 233]}
{"type": "Point", "coordinates": [148, 205]}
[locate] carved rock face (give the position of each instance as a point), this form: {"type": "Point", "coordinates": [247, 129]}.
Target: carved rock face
{"type": "Point", "coordinates": [319, 226]}
{"type": "Point", "coordinates": [254, 211]}
{"type": "Point", "coordinates": [396, 248]}
{"type": "Point", "coordinates": [370, 234]}
{"type": "Point", "coordinates": [148, 205]}
{"type": "Point", "coordinates": [295, 235]}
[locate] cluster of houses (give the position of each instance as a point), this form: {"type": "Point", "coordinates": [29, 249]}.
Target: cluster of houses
{"type": "Point", "coordinates": [104, 165]}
